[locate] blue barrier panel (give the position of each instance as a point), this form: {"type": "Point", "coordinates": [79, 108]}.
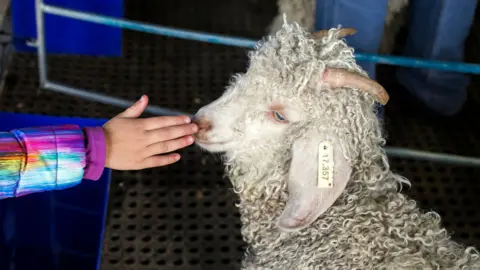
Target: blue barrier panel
{"type": "Point", "coordinates": [56, 229]}
{"type": "Point", "coordinates": [69, 36]}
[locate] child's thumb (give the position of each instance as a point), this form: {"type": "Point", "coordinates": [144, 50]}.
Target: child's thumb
{"type": "Point", "coordinates": [136, 109]}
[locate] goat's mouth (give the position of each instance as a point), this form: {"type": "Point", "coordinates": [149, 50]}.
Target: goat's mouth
{"type": "Point", "coordinates": [206, 142]}
{"type": "Point", "coordinates": [213, 146]}
{"type": "Point", "coordinates": [204, 139]}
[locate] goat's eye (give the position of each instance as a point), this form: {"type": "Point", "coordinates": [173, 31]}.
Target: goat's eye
{"type": "Point", "coordinates": [279, 117]}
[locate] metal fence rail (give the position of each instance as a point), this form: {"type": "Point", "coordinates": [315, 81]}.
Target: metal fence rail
{"type": "Point", "coordinates": [45, 83]}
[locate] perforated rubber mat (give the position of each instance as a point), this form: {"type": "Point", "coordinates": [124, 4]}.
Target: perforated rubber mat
{"type": "Point", "coordinates": [183, 216]}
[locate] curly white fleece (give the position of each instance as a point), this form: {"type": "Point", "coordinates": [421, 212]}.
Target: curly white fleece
{"type": "Point", "coordinates": [371, 225]}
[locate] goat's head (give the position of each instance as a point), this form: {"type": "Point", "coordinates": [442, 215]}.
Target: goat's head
{"type": "Point", "coordinates": [300, 91]}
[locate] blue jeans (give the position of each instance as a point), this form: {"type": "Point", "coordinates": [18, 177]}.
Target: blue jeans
{"type": "Point", "coordinates": [438, 30]}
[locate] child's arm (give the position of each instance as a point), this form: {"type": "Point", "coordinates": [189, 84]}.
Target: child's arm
{"type": "Point", "coordinates": [49, 158]}
{"type": "Point", "coordinates": [57, 157]}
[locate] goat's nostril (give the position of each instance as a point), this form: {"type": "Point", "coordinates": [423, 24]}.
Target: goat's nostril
{"type": "Point", "coordinates": [202, 123]}
{"type": "Point", "coordinates": [205, 125]}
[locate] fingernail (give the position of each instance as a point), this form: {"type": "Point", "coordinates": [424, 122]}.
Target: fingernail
{"type": "Point", "coordinates": [190, 139]}
{"type": "Point", "coordinates": [187, 120]}
{"type": "Point", "coordinates": [176, 157]}
{"type": "Point", "coordinates": [194, 128]}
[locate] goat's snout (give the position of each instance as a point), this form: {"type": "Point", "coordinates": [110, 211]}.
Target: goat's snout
{"type": "Point", "coordinates": [204, 125]}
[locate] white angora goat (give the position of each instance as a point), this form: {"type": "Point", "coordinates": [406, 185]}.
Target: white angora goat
{"type": "Point", "coordinates": [303, 149]}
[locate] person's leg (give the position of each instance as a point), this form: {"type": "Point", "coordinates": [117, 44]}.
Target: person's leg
{"type": "Point", "coordinates": [438, 30]}
{"type": "Point", "coordinates": [366, 16]}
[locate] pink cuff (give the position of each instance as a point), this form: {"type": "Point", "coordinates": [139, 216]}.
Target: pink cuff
{"type": "Point", "coordinates": [95, 154]}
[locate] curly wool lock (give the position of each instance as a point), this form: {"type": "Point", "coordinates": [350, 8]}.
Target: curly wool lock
{"type": "Point", "coordinates": [289, 223]}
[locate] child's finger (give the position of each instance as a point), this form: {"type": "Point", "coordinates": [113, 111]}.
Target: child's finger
{"type": "Point", "coordinates": [169, 146]}
{"type": "Point", "coordinates": [157, 161]}
{"type": "Point", "coordinates": [170, 133]}
{"type": "Point", "coordinates": [136, 109]}
{"type": "Point", "coordinates": [165, 121]}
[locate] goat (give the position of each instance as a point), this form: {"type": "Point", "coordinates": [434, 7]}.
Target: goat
{"type": "Point", "coordinates": [303, 149]}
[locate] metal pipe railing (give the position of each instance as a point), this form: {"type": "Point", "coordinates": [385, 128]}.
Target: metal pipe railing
{"type": "Point", "coordinates": [41, 50]}
{"type": "Point", "coordinates": [247, 43]}
{"type": "Point", "coordinates": [105, 99]}
{"type": "Point", "coordinates": [435, 157]}
{"type": "Point", "coordinates": [42, 8]}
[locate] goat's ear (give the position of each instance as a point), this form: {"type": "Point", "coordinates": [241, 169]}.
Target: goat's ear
{"type": "Point", "coordinates": [316, 162]}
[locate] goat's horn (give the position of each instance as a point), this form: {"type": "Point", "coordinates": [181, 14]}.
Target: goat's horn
{"type": "Point", "coordinates": [341, 33]}
{"type": "Point", "coordinates": [337, 78]}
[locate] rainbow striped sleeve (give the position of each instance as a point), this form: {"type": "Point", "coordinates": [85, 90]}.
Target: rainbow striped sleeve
{"type": "Point", "coordinates": [41, 159]}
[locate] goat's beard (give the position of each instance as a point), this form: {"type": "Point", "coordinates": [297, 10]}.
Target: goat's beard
{"type": "Point", "coordinates": [258, 174]}
{"type": "Point", "coordinates": [262, 192]}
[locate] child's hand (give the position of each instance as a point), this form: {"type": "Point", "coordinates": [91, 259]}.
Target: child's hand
{"type": "Point", "coordinates": [134, 144]}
